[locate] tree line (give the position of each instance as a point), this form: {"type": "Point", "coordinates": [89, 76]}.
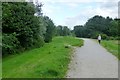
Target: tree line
{"type": "Point", "coordinates": [107, 27]}
{"type": "Point", "coordinates": [23, 30]}
{"type": "Point", "coordinates": [63, 31]}
{"type": "Point", "coordinates": [24, 27]}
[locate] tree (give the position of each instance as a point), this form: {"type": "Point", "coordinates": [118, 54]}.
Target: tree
{"type": "Point", "coordinates": [50, 27]}
{"type": "Point", "coordinates": [79, 31]}
{"type": "Point", "coordinates": [20, 24]}
{"type": "Point", "coordinates": [62, 30]}
{"type": "Point", "coordinates": [38, 7]}
{"type": "Point", "coordinates": [113, 29]}
{"type": "Point", "coordinates": [97, 25]}
{"type": "Point", "coordinates": [59, 31]}
{"type": "Point", "coordinates": [66, 31]}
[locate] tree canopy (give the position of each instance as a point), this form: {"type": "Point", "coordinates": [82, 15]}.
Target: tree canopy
{"type": "Point", "coordinates": [22, 29]}
{"type": "Point", "coordinates": [107, 27]}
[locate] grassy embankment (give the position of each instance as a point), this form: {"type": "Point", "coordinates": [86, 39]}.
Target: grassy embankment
{"type": "Point", "coordinates": [0, 56]}
{"type": "Point", "coordinates": [111, 46]}
{"type": "Point", "coordinates": [49, 61]}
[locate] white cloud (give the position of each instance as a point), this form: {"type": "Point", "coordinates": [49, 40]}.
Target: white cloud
{"type": "Point", "coordinates": [119, 9]}
{"type": "Point", "coordinates": [72, 5]}
{"type": "Point", "coordinates": [104, 8]}
{"type": "Point", "coordinates": [77, 1]}
{"type": "Point", "coordinates": [47, 9]}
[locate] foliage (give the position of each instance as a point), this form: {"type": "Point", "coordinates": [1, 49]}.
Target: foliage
{"type": "Point", "coordinates": [98, 25]}
{"type": "Point", "coordinates": [104, 36]}
{"type": "Point", "coordinates": [50, 28]}
{"type": "Point", "coordinates": [38, 7]}
{"type": "Point", "coordinates": [59, 30]}
{"type": "Point", "coordinates": [10, 44]}
{"type": "Point", "coordinates": [62, 30]}
{"type": "Point", "coordinates": [19, 18]}
{"type": "Point", "coordinates": [66, 31]}
{"type": "Point", "coordinates": [113, 29]}
{"type": "Point", "coordinates": [79, 30]}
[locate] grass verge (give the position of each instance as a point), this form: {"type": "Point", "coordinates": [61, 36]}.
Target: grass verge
{"type": "Point", "coordinates": [49, 61]}
{"type": "Point", "coordinates": [111, 46]}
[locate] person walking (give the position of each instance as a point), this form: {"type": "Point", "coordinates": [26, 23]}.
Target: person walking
{"type": "Point", "coordinates": [99, 38]}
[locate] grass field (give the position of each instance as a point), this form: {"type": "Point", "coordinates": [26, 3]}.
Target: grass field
{"type": "Point", "coordinates": [111, 46]}
{"type": "Point", "coordinates": [49, 61]}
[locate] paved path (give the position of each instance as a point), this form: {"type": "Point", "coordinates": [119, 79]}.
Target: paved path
{"type": "Point", "coordinates": [92, 61]}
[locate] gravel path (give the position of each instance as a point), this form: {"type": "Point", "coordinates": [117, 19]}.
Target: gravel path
{"type": "Point", "coordinates": [92, 61]}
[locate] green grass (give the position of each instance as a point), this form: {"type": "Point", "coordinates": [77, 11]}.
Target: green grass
{"type": "Point", "coordinates": [111, 46]}
{"type": "Point", "coordinates": [0, 68]}
{"type": "Point", "coordinates": [0, 57]}
{"type": "Point", "coordinates": [49, 61]}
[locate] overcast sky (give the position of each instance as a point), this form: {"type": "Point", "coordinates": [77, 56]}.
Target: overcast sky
{"type": "Point", "coordinates": [77, 12]}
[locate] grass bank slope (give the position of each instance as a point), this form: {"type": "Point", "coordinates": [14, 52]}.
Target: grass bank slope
{"type": "Point", "coordinates": [111, 46]}
{"type": "Point", "coordinates": [49, 61]}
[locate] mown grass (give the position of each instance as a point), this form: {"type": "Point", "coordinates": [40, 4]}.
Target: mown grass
{"type": "Point", "coordinates": [112, 46]}
{"type": "Point", "coordinates": [49, 61]}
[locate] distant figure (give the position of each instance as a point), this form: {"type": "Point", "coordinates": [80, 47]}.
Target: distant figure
{"type": "Point", "coordinates": [99, 38]}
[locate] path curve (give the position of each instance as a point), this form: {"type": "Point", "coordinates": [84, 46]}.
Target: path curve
{"type": "Point", "coordinates": [92, 61]}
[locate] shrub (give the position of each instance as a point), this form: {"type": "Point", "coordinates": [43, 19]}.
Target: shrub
{"type": "Point", "coordinates": [10, 44]}
{"type": "Point", "coordinates": [112, 38]}
{"type": "Point", "coordinates": [104, 37]}
{"type": "Point", "coordinates": [94, 35]}
{"type": "Point", "coordinates": [39, 42]}
{"type": "Point", "coordinates": [117, 38]}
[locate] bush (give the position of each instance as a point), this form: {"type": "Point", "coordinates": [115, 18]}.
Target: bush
{"type": "Point", "coordinates": [10, 44]}
{"type": "Point", "coordinates": [112, 38]}
{"type": "Point", "coordinates": [39, 42]}
{"type": "Point", "coordinates": [104, 37]}
{"type": "Point", "coordinates": [117, 38]}
{"type": "Point", "coordinates": [95, 35]}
